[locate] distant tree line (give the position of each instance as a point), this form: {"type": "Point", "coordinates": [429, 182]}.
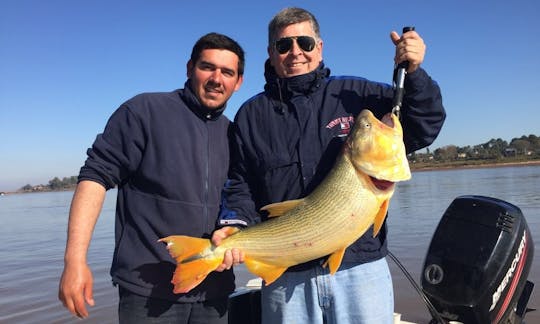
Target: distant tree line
{"type": "Point", "coordinates": [54, 185]}
{"type": "Point", "coordinates": [525, 148]}
{"type": "Point", "coordinates": [495, 150]}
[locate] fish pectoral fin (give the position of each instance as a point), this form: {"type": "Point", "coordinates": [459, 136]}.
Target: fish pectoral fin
{"type": "Point", "coordinates": [181, 247]}
{"type": "Point", "coordinates": [334, 260]}
{"type": "Point", "coordinates": [190, 274]}
{"type": "Point", "coordinates": [379, 218]}
{"type": "Point", "coordinates": [269, 273]}
{"type": "Point", "coordinates": [280, 208]}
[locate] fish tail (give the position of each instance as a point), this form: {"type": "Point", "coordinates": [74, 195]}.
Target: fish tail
{"type": "Point", "coordinates": [194, 261]}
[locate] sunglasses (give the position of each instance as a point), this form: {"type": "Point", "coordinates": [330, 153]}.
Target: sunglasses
{"type": "Point", "coordinates": [306, 43]}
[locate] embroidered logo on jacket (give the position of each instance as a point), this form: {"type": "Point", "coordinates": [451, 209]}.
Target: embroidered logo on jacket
{"type": "Point", "coordinates": [344, 124]}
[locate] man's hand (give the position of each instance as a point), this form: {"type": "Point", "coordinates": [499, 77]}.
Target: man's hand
{"type": "Point", "coordinates": [233, 256]}
{"type": "Point", "coordinates": [76, 283]}
{"type": "Point", "coordinates": [75, 290]}
{"type": "Point", "coordinates": [409, 47]}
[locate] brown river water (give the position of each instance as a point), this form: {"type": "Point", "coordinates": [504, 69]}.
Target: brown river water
{"type": "Point", "coordinates": [33, 233]}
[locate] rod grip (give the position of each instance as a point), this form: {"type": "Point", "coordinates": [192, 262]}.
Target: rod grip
{"type": "Point", "coordinates": [405, 64]}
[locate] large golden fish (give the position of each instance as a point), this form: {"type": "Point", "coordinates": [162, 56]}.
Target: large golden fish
{"type": "Point", "coordinates": [354, 195]}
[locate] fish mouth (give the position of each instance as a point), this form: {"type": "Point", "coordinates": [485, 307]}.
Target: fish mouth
{"type": "Point", "coordinates": [376, 149]}
{"type": "Point", "coordinates": [388, 120]}
{"type": "Point", "coordinates": [382, 185]}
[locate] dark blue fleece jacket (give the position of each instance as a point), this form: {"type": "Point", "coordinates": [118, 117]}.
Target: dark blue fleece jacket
{"type": "Point", "coordinates": [286, 140]}
{"type": "Point", "coordinates": [168, 156]}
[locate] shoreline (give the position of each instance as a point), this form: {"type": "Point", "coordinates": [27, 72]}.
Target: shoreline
{"type": "Point", "coordinates": [476, 166]}
{"type": "Point", "coordinates": [413, 169]}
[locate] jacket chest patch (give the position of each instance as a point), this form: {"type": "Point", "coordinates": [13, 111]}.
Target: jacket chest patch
{"type": "Point", "coordinates": [341, 125]}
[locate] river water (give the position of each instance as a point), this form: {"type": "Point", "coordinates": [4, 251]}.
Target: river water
{"type": "Point", "coordinates": [33, 234]}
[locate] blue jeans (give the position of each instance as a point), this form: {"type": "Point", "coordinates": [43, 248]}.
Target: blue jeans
{"type": "Point", "coordinates": [133, 309]}
{"type": "Point", "coordinates": [354, 294]}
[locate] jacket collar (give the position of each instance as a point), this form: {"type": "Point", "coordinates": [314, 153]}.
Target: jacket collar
{"type": "Point", "coordinates": [196, 107]}
{"type": "Point", "coordinates": [285, 88]}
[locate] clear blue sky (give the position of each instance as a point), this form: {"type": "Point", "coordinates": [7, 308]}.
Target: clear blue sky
{"type": "Point", "coordinates": [65, 66]}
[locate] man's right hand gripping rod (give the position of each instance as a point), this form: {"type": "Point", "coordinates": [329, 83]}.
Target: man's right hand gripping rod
{"type": "Point", "coordinates": [399, 80]}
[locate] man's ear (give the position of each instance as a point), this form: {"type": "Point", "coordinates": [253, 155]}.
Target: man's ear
{"type": "Point", "coordinates": [239, 83]}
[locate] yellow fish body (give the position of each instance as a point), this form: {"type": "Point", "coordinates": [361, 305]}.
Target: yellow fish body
{"type": "Point", "coordinates": [354, 195]}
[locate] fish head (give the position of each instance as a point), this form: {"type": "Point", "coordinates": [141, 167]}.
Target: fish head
{"type": "Point", "coordinates": [375, 147]}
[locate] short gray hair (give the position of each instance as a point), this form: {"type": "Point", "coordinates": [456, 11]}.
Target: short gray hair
{"type": "Point", "coordinates": [289, 16]}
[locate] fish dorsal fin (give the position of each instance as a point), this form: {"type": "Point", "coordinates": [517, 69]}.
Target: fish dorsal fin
{"type": "Point", "coordinates": [334, 260]}
{"type": "Point", "coordinates": [379, 218]}
{"type": "Point", "coordinates": [280, 208]}
{"type": "Point", "coordinates": [269, 273]}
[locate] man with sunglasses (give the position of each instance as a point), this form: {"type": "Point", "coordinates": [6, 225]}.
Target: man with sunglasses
{"type": "Point", "coordinates": [286, 140]}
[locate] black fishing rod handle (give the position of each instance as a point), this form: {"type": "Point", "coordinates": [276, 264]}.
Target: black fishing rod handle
{"type": "Point", "coordinates": [407, 29]}
{"type": "Point", "coordinates": [399, 81]}
{"type": "Point", "coordinates": [405, 64]}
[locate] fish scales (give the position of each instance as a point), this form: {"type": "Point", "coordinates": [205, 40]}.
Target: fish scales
{"type": "Point", "coordinates": [353, 197]}
{"type": "Point", "coordinates": [314, 225]}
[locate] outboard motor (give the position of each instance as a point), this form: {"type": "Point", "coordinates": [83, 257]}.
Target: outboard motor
{"type": "Point", "coordinates": [478, 261]}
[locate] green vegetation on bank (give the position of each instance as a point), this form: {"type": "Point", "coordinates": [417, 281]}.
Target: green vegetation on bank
{"type": "Point", "coordinates": [55, 184]}
{"type": "Point", "coordinates": [494, 152]}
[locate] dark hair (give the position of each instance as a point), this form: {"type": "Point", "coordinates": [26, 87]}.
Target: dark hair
{"type": "Point", "coordinates": [218, 41]}
{"type": "Point", "coordinates": [289, 16]}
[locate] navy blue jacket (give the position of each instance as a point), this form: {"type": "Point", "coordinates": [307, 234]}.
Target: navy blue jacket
{"type": "Point", "coordinates": [169, 157]}
{"type": "Point", "coordinates": [286, 140]}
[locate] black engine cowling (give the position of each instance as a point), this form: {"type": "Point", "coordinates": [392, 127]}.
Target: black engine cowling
{"type": "Point", "coordinates": [478, 261]}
